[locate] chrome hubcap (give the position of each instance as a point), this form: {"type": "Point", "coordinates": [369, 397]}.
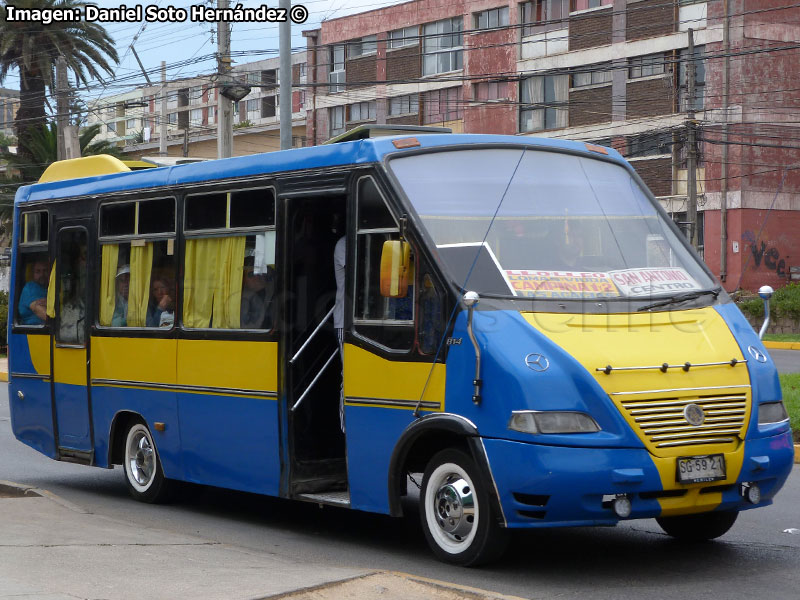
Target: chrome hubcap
{"type": "Point", "coordinates": [141, 459]}
{"type": "Point", "coordinates": [455, 507]}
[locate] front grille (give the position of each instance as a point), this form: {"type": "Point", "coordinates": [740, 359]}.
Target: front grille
{"type": "Point", "coordinates": [661, 421]}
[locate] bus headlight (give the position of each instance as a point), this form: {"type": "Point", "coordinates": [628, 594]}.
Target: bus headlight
{"type": "Point", "coordinates": [532, 421]}
{"type": "Point", "coordinates": [772, 412]}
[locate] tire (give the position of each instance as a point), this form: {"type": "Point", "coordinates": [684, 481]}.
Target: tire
{"type": "Point", "coordinates": [143, 473]}
{"type": "Point", "coordinates": [700, 527]}
{"type": "Point", "coordinates": [456, 512]}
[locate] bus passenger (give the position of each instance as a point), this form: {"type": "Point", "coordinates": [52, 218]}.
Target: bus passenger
{"type": "Point", "coordinates": [161, 311]}
{"type": "Point", "coordinates": [257, 291]}
{"type": "Point", "coordinates": [71, 329]}
{"type": "Point", "coordinates": [120, 317]}
{"type": "Point", "coordinates": [33, 299]}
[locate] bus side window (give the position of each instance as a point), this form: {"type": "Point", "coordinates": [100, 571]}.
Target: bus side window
{"type": "Point", "coordinates": [387, 321]}
{"type": "Point", "coordinates": [137, 280]}
{"type": "Point", "coordinates": [33, 269]}
{"type": "Point", "coordinates": [229, 279]}
{"type": "Point", "coordinates": [431, 315]}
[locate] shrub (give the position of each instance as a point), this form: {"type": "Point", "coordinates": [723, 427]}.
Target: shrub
{"type": "Point", "coordinates": [785, 303]}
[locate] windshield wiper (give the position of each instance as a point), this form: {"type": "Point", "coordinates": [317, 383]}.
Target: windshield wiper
{"type": "Point", "coordinates": [680, 298]}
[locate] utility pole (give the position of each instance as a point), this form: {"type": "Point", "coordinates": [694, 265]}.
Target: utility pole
{"type": "Point", "coordinates": [162, 137]}
{"type": "Point", "coordinates": [691, 146]}
{"type": "Point", "coordinates": [62, 106]}
{"type": "Point", "coordinates": [224, 105]}
{"type": "Point", "coordinates": [285, 73]}
{"type": "Point", "coordinates": [67, 140]}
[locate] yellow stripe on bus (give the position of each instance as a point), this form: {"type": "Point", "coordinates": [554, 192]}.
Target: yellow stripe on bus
{"type": "Point", "coordinates": [370, 376]}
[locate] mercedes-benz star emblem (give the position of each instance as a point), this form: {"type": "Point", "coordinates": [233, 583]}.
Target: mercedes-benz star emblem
{"type": "Point", "coordinates": [757, 354]}
{"type": "Point", "coordinates": [537, 362]}
{"type": "Point", "coordinates": [694, 414]}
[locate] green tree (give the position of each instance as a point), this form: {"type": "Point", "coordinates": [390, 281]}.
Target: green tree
{"type": "Point", "coordinates": [43, 149]}
{"type": "Point", "coordinates": [33, 48]}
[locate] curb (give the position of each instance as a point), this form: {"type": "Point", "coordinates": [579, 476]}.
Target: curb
{"type": "Point", "coordinates": [4, 375]}
{"type": "Point", "coordinates": [782, 345]}
{"type": "Point", "coordinates": [797, 454]}
{"type": "Point", "coordinates": [19, 490]}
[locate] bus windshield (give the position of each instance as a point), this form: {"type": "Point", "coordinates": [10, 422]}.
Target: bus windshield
{"type": "Point", "coordinates": [550, 225]}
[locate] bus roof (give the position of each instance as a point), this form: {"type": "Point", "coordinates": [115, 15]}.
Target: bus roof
{"type": "Point", "coordinates": [331, 155]}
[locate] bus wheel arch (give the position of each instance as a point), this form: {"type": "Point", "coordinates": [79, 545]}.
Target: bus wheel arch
{"type": "Point", "coordinates": [422, 440]}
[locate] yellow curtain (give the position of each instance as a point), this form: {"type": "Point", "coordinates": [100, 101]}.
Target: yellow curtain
{"type": "Point", "coordinates": [228, 292]}
{"type": "Point", "coordinates": [198, 282]}
{"type": "Point", "coordinates": [51, 293]}
{"type": "Point", "coordinates": [108, 283]}
{"type": "Point", "coordinates": [139, 294]}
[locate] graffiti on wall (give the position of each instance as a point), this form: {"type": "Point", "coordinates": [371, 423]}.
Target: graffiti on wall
{"type": "Point", "coordinates": [762, 253]}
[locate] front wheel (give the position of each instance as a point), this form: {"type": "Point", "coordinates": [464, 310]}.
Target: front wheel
{"type": "Point", "coordinates": [699, 527]}
{"type": "Point", "coordinates": [143, 472]}
{"type": "Point", "coordinates": [456, 512]}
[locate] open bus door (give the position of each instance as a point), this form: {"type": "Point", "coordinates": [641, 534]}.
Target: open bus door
{"type": "Point", "coordinates": [315, 456]}
{"type": "Point", "coordinates": [70, 347]}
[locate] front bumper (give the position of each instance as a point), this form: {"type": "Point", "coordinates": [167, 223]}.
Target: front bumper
{"type": "Point", "coordinates": [550, 486]}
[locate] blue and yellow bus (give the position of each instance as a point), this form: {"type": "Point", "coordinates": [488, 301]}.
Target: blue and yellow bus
{"type": "Point", "coordinates": [522, 324]}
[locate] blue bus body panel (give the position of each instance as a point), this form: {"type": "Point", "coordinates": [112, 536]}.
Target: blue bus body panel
{"type": "Point", "coordinates": [230, 441]}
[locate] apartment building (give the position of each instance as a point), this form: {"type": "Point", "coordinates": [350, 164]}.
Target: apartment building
{"type": "Point", "coordinates": [612, 72]}
{"type": "Point", "coordinates": [133, 120]}
{"type": "Point", "coordinates": [9, 103]}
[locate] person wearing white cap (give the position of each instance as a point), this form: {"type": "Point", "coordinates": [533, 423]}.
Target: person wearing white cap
{"type": "Point", "coordinates": [120, 317]}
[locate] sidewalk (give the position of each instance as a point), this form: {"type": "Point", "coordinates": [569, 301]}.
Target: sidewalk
{"type": "Point", "coordinates": [53, 550]}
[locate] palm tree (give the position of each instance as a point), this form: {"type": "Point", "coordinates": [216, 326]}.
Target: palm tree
{"type": "Point", "coordinates": [33, 49]}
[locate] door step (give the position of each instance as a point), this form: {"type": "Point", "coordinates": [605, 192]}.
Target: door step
{"type": "Point", "coordinates": [334, 498]}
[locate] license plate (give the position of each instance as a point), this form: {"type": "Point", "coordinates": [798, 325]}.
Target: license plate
{"type": "Point", "coordinates": [698, 469]}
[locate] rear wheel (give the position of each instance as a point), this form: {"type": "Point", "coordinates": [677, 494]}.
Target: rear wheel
{"type": "Point", "coordinates": [699, 527]}
{"type": "Point", "coordinates": [456, 511]}
{"type": "Point", "coordinates": [143, 472]}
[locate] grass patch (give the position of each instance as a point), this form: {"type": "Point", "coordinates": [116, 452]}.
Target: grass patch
{"type": "Point", "coordinates": [790, 384]}
{"type": "Point", "coordinates": [782, 337]}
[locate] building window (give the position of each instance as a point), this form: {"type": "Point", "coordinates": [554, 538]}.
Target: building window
{"type": "Point", "coordinates": [544, 100]}
{"type": "Point", "coordinates": [442, 46]}
{"type": "Point", "coordinates": [195, 95]}
{"type": "Point", "coordinates": [494, 17]}
{"type": "Point", "coordinates": [585, 4]}
{"type": "Point", "coordinates": [699, 77]}
{"type": "Point", "coordinates": [336, 116]}
{"type": "Point", "coordinates": [442, 105]}
{"type": "Point", "coordinates": [172, 118]}
{"type": "Point", "coordinates": [404, 105]}
{"type": "Point", "coordinates": [362, 111]}
{"type": "Point", "coordinates": [301, 97]}
{"type": "Point", "coordinates": [682, 221]}
{"type": "Point", "coordinates": [301, 69]}
{"type": "Point", "coordinates": [486, 91]}
{"type": "Point", "coordinates": [172, 99]}
{"type": "Point", "coordinates": [646, 66]}
{"type": "Point", "coordinates": [253, 109]}
{"type": "Point", "coordinates": [268, 107]}
{"type": "Point", "coordinates": [593, 75]}
{"type": "Point", "coordinates": [196, 117]}
{"type": "Point", "coordinates": [365, 45]}
{"type": "Point", "coordinates": [538, 13]}
{"type": "Point", "coordinates": [336, 77]}
{"type": "Point", "coordinates": [407, 36]}
{"type": "Point", "coordinates": [111, 127]}
{"type": "Point", "coordinates": [212, 112]}
{"type": "Point", "coordinates": [131, 124]}
{"type": "Point", "coordinates": [649, 144]}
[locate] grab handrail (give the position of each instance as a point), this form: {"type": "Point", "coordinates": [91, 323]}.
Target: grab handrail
{"type": "Point", "coordinates": [313, 333]}
{"type": "Point", "coordinates": [313, 381]}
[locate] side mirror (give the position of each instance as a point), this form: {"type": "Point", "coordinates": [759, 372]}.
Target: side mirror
{"type": "Point", "coordinates": [395, 268]}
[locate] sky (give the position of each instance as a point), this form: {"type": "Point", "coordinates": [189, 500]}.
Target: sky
{"type": "Point", "coordinates": [175, 42]}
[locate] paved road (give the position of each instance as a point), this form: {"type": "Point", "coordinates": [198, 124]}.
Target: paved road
{"type": "Point", "coordinates": [787, 361]}
{"type": "Point", "coordinates": [633, 560]}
